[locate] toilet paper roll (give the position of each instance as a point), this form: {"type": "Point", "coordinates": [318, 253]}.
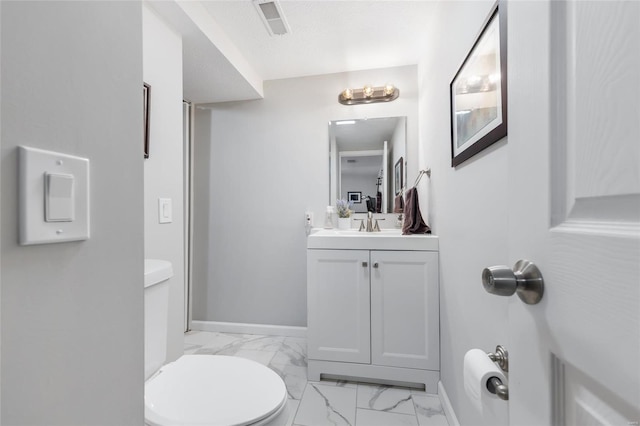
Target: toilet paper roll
{"type": "Point", "coordinates": [478, 369]}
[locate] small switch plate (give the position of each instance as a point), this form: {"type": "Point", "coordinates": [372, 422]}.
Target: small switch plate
{"type": "Point", "coordinates": [70, 219]}
{"type": "Point", "coordinates": [165, 213]}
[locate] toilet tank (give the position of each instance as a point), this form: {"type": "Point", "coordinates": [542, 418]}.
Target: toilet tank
{"type": "Point", "coordinates": [156, 313]}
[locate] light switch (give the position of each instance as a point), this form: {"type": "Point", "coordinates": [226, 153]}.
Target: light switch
{"type": "Point", "coordinates": [59, 198]}
{"type": "Point", "coordinates": [165, 214]}
{"type": "Point", "coordinates": [54, 197]}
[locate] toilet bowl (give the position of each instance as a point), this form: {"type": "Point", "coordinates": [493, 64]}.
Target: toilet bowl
{"type": "Point", "coordinates": [214, 390]}
{"type": "Point", "coordinates": [203, 390]}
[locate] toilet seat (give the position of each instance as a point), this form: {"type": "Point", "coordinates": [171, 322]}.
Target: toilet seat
{"type": "Point", "coordinates": [213, 390]}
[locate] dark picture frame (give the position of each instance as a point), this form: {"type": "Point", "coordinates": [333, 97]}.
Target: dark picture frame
{"type": "Point", "coordinates": [146, 97]}
{"type": "Point", "coordinates": [398, 179]}
{"type": "Point", "coordinates": [478, 92]}
{"type": "Point", "coordinates": [354, 197]}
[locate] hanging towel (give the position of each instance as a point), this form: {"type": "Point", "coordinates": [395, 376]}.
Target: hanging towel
{"type": "Point", "coordinates": [398, 204]}
{"type": "Point", "coordinates": [413, 223]}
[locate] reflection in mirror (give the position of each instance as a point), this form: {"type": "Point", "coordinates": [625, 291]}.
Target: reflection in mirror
{"type": "Point", "coordinates": [362, 158]}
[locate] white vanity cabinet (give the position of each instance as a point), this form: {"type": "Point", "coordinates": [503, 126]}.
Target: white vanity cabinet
{"type": "Point", "coordinates": [373, 313]}
{"type": "Point", "coordinates": [339, 308]}
{"type": "Point", "coordinates": [405, 309]}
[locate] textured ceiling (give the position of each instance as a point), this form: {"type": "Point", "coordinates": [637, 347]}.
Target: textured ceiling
{"type": "Point", "coordinates": [228, 53]}
{"type": "Point", "coordinates": [327, 36]}
{"type": "Point", "coordinates": [364, 134]}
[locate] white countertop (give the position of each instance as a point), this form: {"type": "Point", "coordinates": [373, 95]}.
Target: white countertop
{"type": "Point", "coordinates": [386, 239]}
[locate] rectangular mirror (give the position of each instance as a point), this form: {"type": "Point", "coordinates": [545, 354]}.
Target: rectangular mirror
{"type": "Point", "coordinates": [363, 162]}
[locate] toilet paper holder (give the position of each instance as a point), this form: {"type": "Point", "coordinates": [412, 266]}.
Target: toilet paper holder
{"type": "Point", "coordinates": [500, 357]}
{"type": "Point", "coordinates": [494, 384]}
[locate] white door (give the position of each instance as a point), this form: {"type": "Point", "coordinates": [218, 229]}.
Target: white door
{"type": "Point", "coordinates": [405, 328]}
{"type": "Point", "coordinates": [338, 306]}
{"type": "Point", "coordinates": [574, 181]}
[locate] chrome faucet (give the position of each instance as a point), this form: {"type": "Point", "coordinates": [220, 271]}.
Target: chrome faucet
{"type": "Point", "coordinates": [371, 226]}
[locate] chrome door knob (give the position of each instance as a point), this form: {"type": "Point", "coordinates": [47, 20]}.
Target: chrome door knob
{"type": "Point", "coordinates": [525, 279]}
{"type": "Point", "coordinates": [499, 280]}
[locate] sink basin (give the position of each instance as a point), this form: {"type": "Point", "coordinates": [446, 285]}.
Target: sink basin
{"type": "Point", "coordinates": [386, 239]}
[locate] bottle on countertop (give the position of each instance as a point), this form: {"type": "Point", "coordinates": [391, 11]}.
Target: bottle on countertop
{"type": "Point", "coordinates": [328, 220]}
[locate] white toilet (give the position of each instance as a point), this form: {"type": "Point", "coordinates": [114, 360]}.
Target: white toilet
{"type": "Point", "coordinates": [203, 390]}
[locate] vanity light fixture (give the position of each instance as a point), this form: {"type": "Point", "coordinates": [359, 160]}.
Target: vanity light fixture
{"type": "Point", "coordinates": [369, 94]}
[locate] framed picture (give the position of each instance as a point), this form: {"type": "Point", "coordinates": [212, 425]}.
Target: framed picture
{"type": "Point", "coordinates": [146, 96]}
{"type": "Point", "coordinates": [479, 91]}
{"type": "Point", "coordinates": [399, 176]}
{"type": "Point", "coordinates": [354, 197]}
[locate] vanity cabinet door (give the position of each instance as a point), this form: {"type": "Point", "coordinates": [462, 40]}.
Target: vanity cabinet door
{"type": "Point", "coordinates": [405, 309]}
{"type": "Point", "coordinates": [338, 320]}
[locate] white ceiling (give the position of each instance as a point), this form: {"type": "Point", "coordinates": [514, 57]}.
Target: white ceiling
{"type": "Point", "coordinates": [368, 166]}
{"type": "Point", "coordinates": [327, 36]}
{"type": "Point", "coordinates": [365, 134]}
{"type": "Point", "coordinates": [228, 51]}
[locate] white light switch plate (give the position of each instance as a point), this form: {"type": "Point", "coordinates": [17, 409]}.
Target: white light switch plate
{"type": "Point", "coordinates": [34, 165]}
{"type": "Point", "coordinates": [165, 213]}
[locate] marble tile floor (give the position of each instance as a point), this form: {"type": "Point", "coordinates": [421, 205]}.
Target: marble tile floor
{"type": "Point", "coordinates": [325, 402]}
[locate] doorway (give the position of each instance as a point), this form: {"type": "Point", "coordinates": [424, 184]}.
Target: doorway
{"type": "Point", "coordinates": [187, 140]}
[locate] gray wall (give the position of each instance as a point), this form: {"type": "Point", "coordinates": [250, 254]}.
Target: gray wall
{"type": "Point", "coordinates": [358, 183]}
{"type": "Point", "coordinates": [163, 170]}
{"type": "Point", "coordinates": [259, 165]}
{"type": "Point", "coordinates": [72, 313]}
{"type": "Point", "coordinates": [467, 210]}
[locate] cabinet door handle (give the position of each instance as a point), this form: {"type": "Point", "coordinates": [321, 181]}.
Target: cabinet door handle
{"type": "Point", "coordinates": [375, 265]}
{"type": "Point", "coordinates": [365, 264]}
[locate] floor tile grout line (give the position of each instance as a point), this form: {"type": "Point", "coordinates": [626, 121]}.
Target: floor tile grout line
{"type": "Point", "coordinates": [415, 410]}
{"type": "Point", "coordinates": [293, 418]}
{"type": "Point", "coordinates": [388, 412]}
{"type": "Point", "coordinates": [355, 417]}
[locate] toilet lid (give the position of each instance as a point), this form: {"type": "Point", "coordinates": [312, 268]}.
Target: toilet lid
{"type": "Point", "coordinates": [213, 390]}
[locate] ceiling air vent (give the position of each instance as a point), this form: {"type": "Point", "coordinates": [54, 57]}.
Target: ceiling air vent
{"type": "Point", "coordinates": [271, 14]}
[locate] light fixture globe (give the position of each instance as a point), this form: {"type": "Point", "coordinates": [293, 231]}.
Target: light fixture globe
{"type": "Point", "coordinates": [367, 91]}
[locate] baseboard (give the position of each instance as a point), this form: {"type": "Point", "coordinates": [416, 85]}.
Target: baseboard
{"type": "Point", "coordinates": [240, 328]}
{"type": "Point", "coordinates": [446, 405]}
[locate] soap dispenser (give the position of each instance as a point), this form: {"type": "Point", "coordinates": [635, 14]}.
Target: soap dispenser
{"type": "Point", "coordinates": [328, 220]}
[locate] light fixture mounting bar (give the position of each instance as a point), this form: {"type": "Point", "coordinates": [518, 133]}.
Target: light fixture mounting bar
{"type": "Point", "coordinates": [376, 94]}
